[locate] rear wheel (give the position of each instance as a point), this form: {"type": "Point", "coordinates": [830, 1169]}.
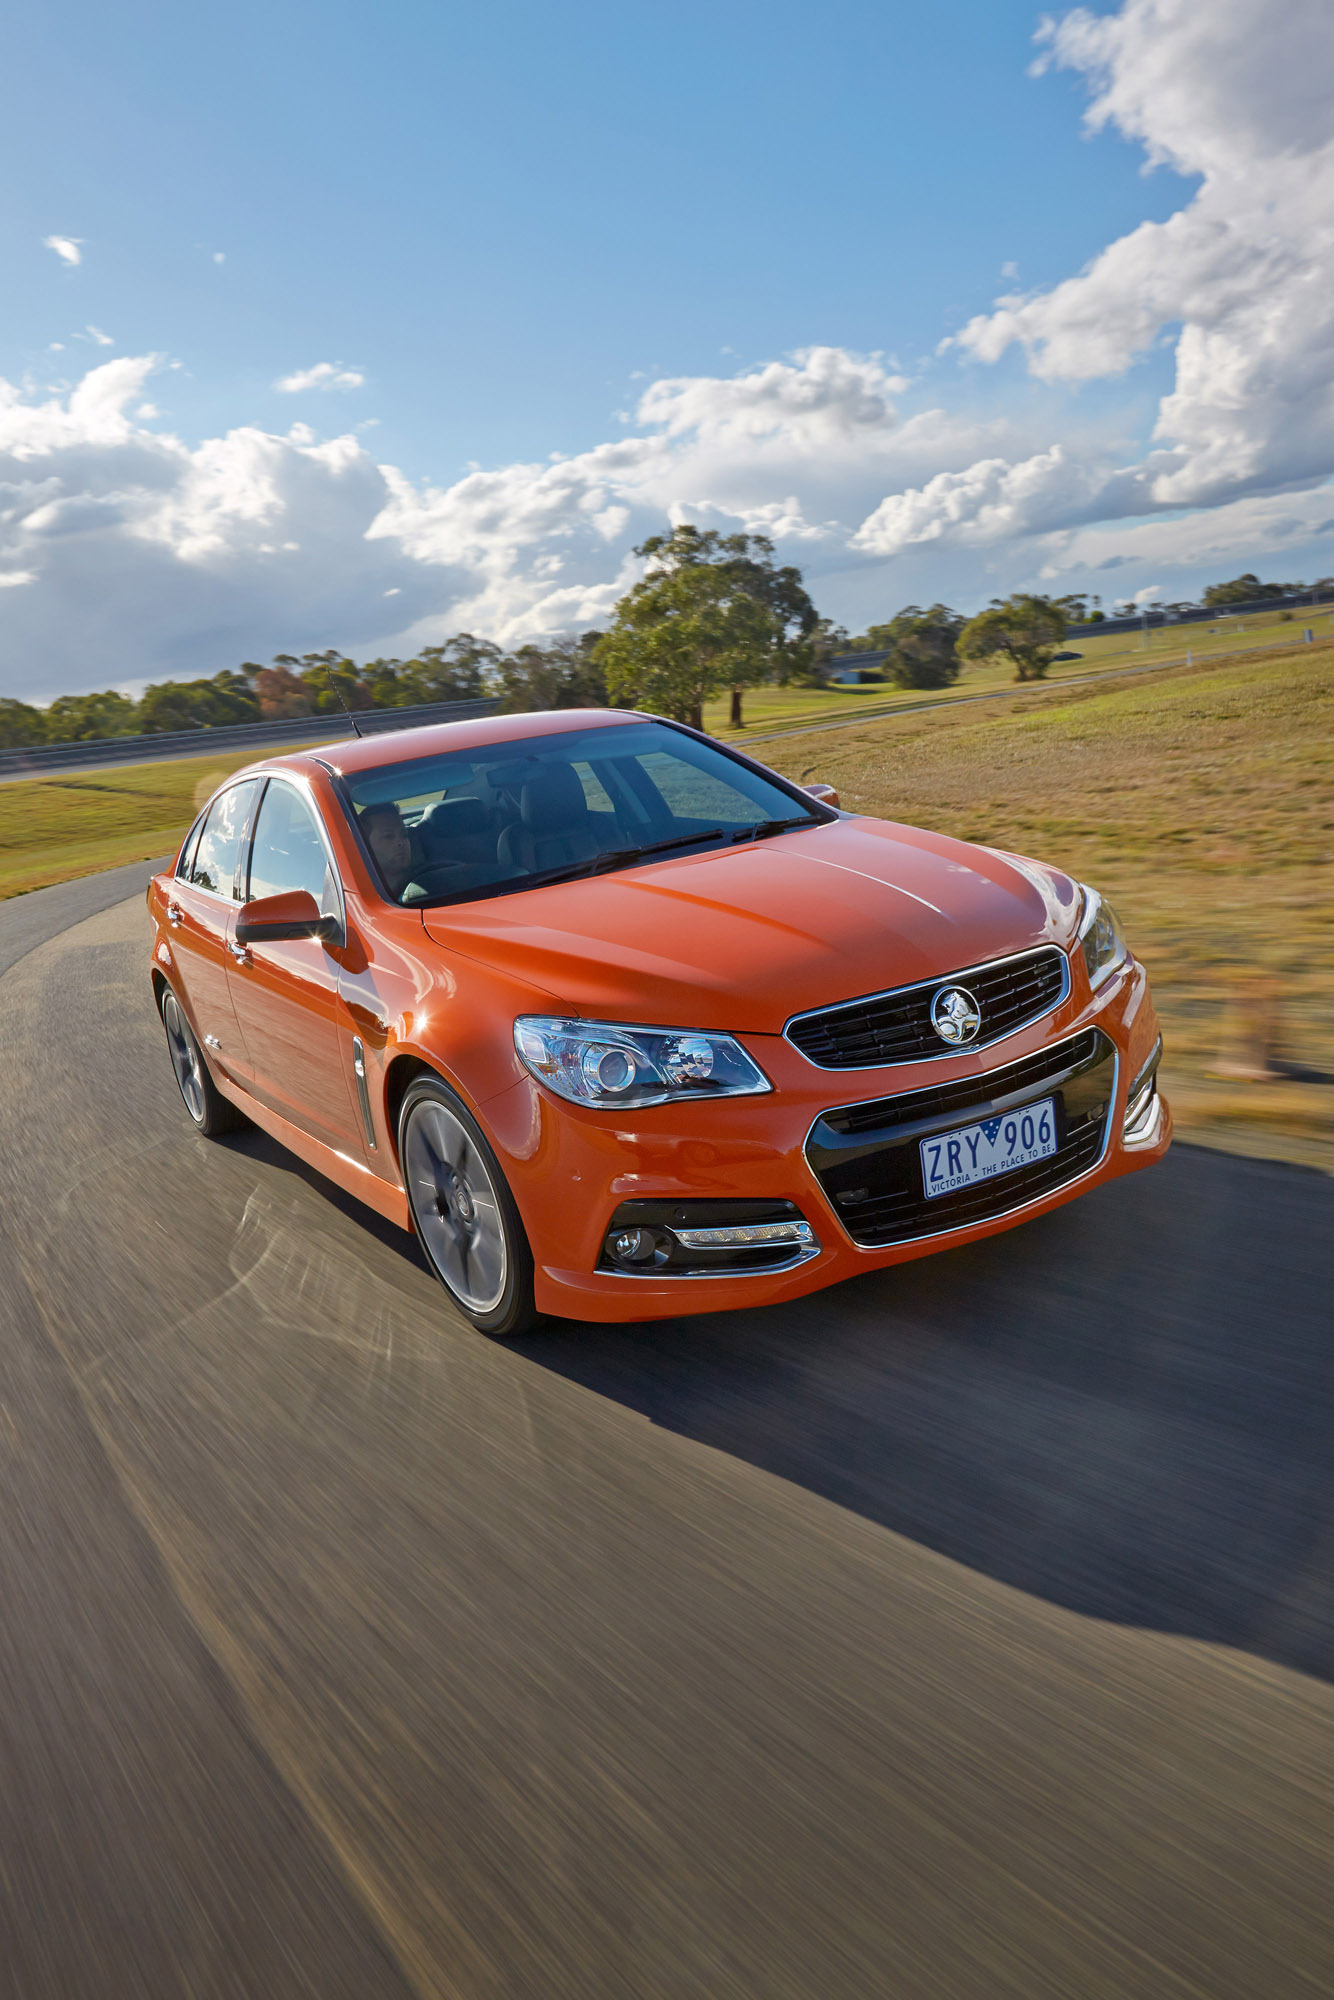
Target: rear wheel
{"type": "Point", "coordinates": [463, 1211]}
{"type": "Point", "coordinates": [211, 1112]}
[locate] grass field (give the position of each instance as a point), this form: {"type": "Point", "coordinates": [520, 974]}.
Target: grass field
{"type": "Point", "coordinates": [1200, 799]}
{"type": "Point", "coordinates": [765, 709]}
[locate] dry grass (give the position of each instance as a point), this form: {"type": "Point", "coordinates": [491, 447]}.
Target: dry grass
{"type": "Point", "coordinates": [1202, 802]}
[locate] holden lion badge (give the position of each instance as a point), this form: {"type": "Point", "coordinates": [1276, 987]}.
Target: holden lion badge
{"type": "Point", "coordinates": [955, 1016]}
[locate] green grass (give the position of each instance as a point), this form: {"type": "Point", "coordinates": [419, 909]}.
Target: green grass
{"type": "Point", "coordinates": [52, 829]}
{"type": "Point", "coordinates": [766, 708]}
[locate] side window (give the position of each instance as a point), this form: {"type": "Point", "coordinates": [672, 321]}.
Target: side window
{"type": "Point", "coordinates": [595, 792]}
{"type": "Point", "coordinates": [287, 852]}
{"type": "Point", "coordinates": [219, 849]}
{"type": "Point", "coordinates": [692, 794]}
{"type": "Point", "coordinates": [188, 852]}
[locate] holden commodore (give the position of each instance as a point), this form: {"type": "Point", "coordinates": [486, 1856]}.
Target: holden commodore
{"type": "Point", "coordinates": [624, 1025]}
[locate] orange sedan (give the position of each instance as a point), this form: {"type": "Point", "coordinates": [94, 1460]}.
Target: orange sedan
{"type": "Point", "coordinates": [623, 1025]}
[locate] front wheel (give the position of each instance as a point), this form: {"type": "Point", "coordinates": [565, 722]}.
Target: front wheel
{"type": "Point", "coordinates": [463, 1211]}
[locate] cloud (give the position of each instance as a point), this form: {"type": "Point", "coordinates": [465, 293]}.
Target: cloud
{"type": "Point", "coordinates": [324, 375]}
{"type": "Point", "coordinates": [96, 335]}
{"type": "Point", "coordinates": [67, 248]}
{"type": "Point", "coordinates": [1236, 280]}
{"type": "Point", "coordinates": [219, 256]}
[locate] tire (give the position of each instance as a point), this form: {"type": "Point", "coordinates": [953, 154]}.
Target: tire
{"type": "Point", "coordinates": [463, 1212]}
{"type": "Point", "coordinates": [210, 1112]}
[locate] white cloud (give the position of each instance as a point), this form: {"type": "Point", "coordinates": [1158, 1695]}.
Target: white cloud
{"type": "Point", "coordinates": [324, 375]}
{"type": "Point", "coordinates": [100, 339]}
{"type": "Point", "coordinates": [219, 256]}
{"type": "Point", "coordinates": [1236, 93]}
{"type": "Point", "coordinates": [67, 248]}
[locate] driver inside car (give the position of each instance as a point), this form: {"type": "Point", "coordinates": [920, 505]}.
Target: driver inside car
{"type": "Point", "coordinates": [391, 844]}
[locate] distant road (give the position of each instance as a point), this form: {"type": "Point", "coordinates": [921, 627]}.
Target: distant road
{"type": "Point", "coordinates": [964, 1633]}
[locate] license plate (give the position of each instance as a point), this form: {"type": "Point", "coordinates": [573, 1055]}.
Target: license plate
{"type": "Point", "coordinates": [993, 1146]}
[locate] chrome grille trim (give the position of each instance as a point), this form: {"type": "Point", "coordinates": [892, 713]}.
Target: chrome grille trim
{"type": "Point", "coordinates": [937, 1051]}
{"type": "Point", "coordinates": [1032, 1086]}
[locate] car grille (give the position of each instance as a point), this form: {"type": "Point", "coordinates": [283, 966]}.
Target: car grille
{"type": "Point", "coordinates": [867, 1157]}
{"type": "Point", "coordinates": [896, 1027]}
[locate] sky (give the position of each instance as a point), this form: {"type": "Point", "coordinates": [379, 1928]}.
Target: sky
{"type": "Point", "coordinates": [338, 326]}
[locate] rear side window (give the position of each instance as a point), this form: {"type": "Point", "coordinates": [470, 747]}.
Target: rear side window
{"type": "Point", "coordinates": [188, 851]}
{"type": "Point", "coordinates": [214, 864]}
{"type": "Point", "coordinates": [287, 852]}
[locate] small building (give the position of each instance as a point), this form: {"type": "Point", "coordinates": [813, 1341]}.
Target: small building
{"type": "Point", "coordinates": [856, 669]}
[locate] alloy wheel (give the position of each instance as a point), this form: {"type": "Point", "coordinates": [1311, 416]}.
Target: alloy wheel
{"type": "Point", "coordinates": [455, 1206]}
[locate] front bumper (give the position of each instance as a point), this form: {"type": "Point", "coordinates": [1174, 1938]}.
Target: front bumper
{"type": "Point", "coordinates": [572, 1169]}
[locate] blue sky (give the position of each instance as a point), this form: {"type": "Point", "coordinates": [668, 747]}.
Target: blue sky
{"type": "Point", "coordinates": [510, 222]}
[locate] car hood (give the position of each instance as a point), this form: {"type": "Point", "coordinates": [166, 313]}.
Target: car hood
{"type": "Point", "coordinates": [745, 937]}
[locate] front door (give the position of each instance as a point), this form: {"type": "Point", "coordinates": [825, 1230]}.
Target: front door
{"type": "Point", "coordinates": [201, 912]}
{"type": "Point", "coordinates": [285, 994]}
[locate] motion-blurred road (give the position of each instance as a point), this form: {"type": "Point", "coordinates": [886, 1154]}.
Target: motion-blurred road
{"type": "Point", "coordinates": [966, 1631]}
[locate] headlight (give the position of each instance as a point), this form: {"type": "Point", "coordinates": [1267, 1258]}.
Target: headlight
{"type": "Point", "coordinates": [1101, 938]}
{"type": "Point", "coordinates": [601, 1062]}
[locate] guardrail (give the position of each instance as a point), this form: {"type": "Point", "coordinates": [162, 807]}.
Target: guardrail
{"type": "Point", "coordinates": [259, 736]}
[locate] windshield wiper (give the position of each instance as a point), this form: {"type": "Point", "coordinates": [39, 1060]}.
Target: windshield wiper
{"type": "Point", "coordinates": [767, 826]}
{"type": "Point", "coordinates": [613, 857]}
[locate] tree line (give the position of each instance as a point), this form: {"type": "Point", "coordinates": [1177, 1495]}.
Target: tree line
{"type": "Point", "coordinates": [712, 614]}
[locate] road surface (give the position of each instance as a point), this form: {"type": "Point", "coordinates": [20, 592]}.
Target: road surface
{"type": "Point", "coordinates": [965, 1631]}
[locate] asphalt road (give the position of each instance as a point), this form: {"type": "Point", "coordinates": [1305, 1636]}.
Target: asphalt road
{"type": "Point", "coordinates": [966, 1631]}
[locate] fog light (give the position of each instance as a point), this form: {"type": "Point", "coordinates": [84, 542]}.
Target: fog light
{"type": "Point", "coordinates": [632, 1246]}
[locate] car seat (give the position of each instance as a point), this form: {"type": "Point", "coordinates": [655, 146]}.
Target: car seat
{"type": "Point", "coordinates": [457, 830]}
{"type": "Point", "coordinates": [554, 829]}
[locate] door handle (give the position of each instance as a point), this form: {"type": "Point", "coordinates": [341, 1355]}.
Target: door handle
{"type": "Point", "coordinates": [240, 952]}
{"type": "Point", "coordinates": [175, 914]}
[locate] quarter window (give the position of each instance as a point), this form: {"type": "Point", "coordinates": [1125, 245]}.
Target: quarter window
{"type": "Point", "coordinates": [219, 849]}
{"type": "Point", "coordinates": [287, 852]}
{"type": "Point", "coordinates": [186, 861]}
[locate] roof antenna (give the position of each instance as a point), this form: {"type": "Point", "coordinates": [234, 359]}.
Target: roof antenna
{"type": "Point", "coordinates": [356, 729]}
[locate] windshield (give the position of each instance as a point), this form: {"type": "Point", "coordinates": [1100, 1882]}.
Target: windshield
{"type": "Point", "coordinates": [548, 808]}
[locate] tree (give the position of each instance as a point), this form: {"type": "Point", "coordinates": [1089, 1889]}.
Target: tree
{"type": "Point", "coordinates": [922, 646]}
{"type": "Point", "coordinates": [1246, 589]}
{"type": "Point", "coordinates": [683, 634]}
{"type": "Point", "coordinates": [460, 670]}
{"type": "Point", "coordinates": [827, 641]}
{"type": "Point", "coordinates": [1023, 629]}
{"type": "Point", "coordinates": [280, 693]}
{"type": "Point", "coordinates": [20, 725]}
{"type": "Point", "coordinates": [84, 718]}
{"type": "Point", "coordinates": [202, 704]}
{"type": "Point", "coordinates": [323, 673]}
{"type": "Point", "coordinates": [566, 673]}
{"type": "Point", "coordinates": [780, 646]}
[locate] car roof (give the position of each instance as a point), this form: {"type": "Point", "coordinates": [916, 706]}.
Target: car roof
{"type": "Point", "coordinates": [399, 746]}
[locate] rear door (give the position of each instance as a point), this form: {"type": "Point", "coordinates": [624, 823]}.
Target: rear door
{"type": "Point", "coordinates": [201, 915]}
{"type": "Point", "coordinates": [285, 994]}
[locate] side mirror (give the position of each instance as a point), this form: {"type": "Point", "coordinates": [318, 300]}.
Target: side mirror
{"type": "Point", "coordinates": [278, 919]}
{"type": "Point", "coordinates": [824, 793]}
